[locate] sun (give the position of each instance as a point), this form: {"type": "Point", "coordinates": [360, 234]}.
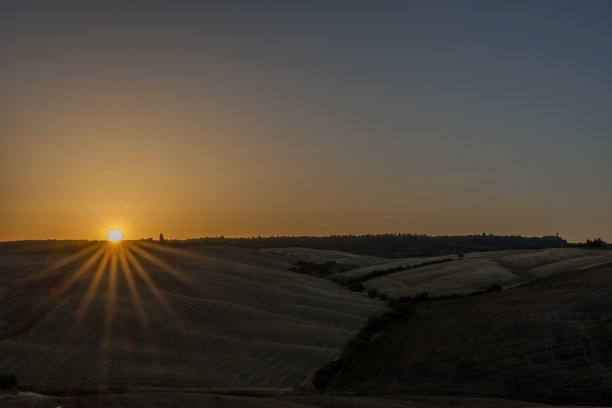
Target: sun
{"type": "Point", "coordinates": [115, 236]}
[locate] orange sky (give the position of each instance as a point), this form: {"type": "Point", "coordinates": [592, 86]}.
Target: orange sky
{"type": "Point", "coordinates": [238, 121]}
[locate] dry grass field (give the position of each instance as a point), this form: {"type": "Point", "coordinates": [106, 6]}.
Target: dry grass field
{"type": "Point", "coordinates": [146, 325]}
{"type": "Point", "coordinates": [323, 255]}
{"type": "Point", "coordinates": [548, 340]}
{"type": "Point", "coordinates": [477, 271]}
{"type": "Point", "coordinates": [148, 316]}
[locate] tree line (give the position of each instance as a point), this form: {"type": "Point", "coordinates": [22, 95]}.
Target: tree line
{"type": "Point", "coordinates": [390, 245]}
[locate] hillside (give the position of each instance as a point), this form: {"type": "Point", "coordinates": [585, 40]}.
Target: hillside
{"type": "Point", "coordinates": [140, 315]}
{"type": "Point", "coordinates": [477, 271]}
{"type": "Point", "coordinates": [546, 340]}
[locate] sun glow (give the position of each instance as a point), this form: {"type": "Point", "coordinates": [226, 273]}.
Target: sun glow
{"type": "Point", "coordinates": [115, 236]}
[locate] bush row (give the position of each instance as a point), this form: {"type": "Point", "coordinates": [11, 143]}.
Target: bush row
{"type": "Point", "coordinates": [359, 344]}
{"type": "Point", "coordinates": [423, 296]}
{"type": "Point", "coordinates": [400, 307]}
{"type": "Point", "coordinates": [355, 280]}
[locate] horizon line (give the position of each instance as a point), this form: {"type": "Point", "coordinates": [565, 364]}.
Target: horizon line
{"type": "Point", "coordinates": [344, 235]}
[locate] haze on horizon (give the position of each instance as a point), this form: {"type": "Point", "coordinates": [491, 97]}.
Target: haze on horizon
{"type": "Point", "coordinates": [283, 118]}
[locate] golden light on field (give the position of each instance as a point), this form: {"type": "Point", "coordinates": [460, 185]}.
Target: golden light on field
{"type": "Point", "coordinates": [99, 271]}
{"type": "Point", "coordinates": [115, 236]}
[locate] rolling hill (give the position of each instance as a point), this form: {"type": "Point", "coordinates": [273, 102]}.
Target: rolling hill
{"type": "Point", "coordinates": [477, 271]}
{"type": "Point", "coordinates": [547, 340]}
{"type": "Point", "coordinates": [153, 322]}
{"type": "Point", "coordinates": [145, 316]}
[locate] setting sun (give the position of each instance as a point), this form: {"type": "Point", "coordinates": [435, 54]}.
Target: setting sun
{"type": "Point", "coordinates": [115, 236]}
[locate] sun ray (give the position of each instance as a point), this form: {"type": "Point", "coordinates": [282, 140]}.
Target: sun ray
{"type": "Point", "coordinates": [101, 254]}
{"type": "Point", "coordinates": [79, 272]}
{"type": "Point", "coordinates": [107, 264]}
{"type": "Point", "coordinates": [143, 318]}
{"type": "Point", "coordinates": [185, 254]}
{"type": "Point", "coordinates": [111, 304]}
{"type": "Point", "coordinates": [62, 262]}
{"type": "Point", "coordinates": [173, 251]}
{"type": "Point", "coordinates": [152, 287]}
{"type": "Point", "coordinates": [184, 278]}
{"type": "Point", "coordinates": [111, 299]}
{"type": "Point", "coordinates": [43, 309]}
{"type": "Point", "coordinates": [82, 310]}
{"type": "Point", "coordinates": [135, 294]}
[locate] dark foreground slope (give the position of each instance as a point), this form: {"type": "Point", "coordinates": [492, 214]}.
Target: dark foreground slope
{"type": "Point", "coordinates": [159, 400]}
{"type": "Point", "coordinates": [548, 340]}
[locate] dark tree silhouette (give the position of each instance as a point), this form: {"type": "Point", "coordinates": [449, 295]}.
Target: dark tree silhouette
{"type": "Point", "coordinates": [596, 243]}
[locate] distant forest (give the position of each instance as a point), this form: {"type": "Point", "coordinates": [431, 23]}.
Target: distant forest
{"type": "Point", "coordinates": [392, 245]}
{"type": "Point", "coordinates": [383, 245]}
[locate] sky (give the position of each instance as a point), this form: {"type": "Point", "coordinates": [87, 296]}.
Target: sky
{"type": "Point", "coordinates": [242, 118]}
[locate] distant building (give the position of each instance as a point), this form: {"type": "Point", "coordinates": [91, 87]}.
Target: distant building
{"type": "Point", "coordinates": [554, 240]}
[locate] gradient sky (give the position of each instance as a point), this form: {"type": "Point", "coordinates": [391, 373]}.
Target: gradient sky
{"type": "Point", "coordinates": [198, 118]}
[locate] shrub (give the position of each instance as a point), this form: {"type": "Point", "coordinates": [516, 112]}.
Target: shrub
{"type": "Point", "coordinates": [375, 324]}
{"type": "Point", "coordinates": [372, 293]}
{"type": "Point", "coordinates": [354, 347]}
{"type": "Point", "coordinates": [493, 288]}
{"type": "Point", "coordinates": [421, 296]}
{"type": "Point", "coordinates": [8, 381]}
{"type": "Point", "coordinates": [322, 377]}
{"type": "Point", "coordinates": [356, 287]}
{"type": "Point", "coordinates": [400, 308]}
